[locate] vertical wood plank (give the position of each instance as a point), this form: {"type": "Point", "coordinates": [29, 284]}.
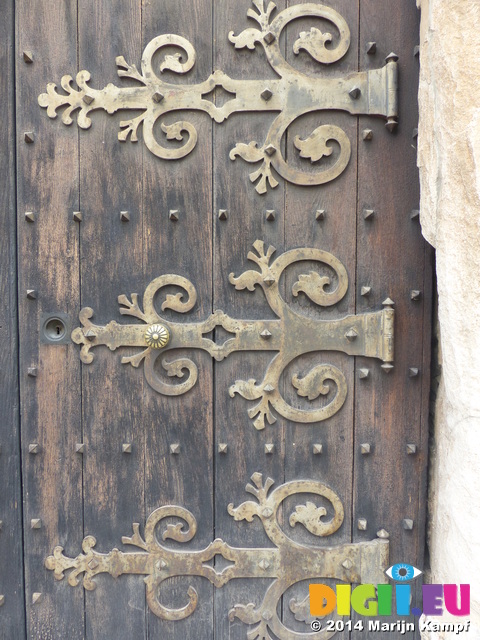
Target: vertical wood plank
{"type": "Point", "coordinates": [335, 234]}
{"type": "Point", "coordinates": [391, 412]}
{"type": "Point", "coordinates": [246, 222]}
{"type": "Point", "coordinates": [182, 247]}
{"type": "Point", "coordinates": [111, 265]}
{"type": "Point", "coordinates": [12, 613]}
{"type": "Point", "coordinates": [48, 263]}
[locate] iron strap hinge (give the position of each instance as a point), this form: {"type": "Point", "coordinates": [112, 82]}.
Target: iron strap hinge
{"type": "Point", "coordinates": [290, 336]}
{"type": "Point", "coordinates": [291, 95]}
{"type": "Point", "coordinates": [286, 563]}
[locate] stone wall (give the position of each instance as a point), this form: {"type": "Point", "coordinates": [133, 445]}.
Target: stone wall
{"type": "Point", "coordinates": [449, 162]}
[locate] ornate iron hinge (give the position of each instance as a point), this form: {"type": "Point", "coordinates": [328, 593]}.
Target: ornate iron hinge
{"type": "Point", "coordinates": [292, 335]}
{"type": "Point", "coordinates": [287, 563]}
{"type": "Point", "coordinates": [291, 95]}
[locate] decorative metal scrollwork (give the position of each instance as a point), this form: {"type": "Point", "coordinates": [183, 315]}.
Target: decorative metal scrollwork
{"type": "Point", "coordinates": [291, 95]}
{"type": "Point", "coordinates": [292, 335]}
{"type": "Point", "coordinates": [286, 563]}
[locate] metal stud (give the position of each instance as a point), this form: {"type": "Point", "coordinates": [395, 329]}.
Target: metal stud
{"type": "Point", "coordinates": [222, 447]}
{"type": "Point", "coordinates": [392, 57]}
{"type": "Point", "coordinates": [411, 449]}
{"type": "Point", "coordinates": [269, 448]}
{"type": "Point", "coordinates": [365, 448]}
{"type": "Point", "coordinates": [347, 564]}
{"type": "Point", "coordinates": [175, 449]}
{"type": "Point", "coordinates": [368, 214]}
{"type": "Point", "coordinates": [267, 615]}
{"type": "Point", "coordinates": [351, 335]}
{"type": "Point", "coordinates": [413, 372]}
{"type": "Point", "coordinates": [32, 372]}
{"type": "Point", "coordinates": [407, 524]}
{"type": "Point", "coordinates": [354, 93]}
{"type": "Point", "coordinates": [36, 523]}
{"type": "Point", "coordinates": [266, 335]}
{"type": "Point", "coordinates": [93, 564]}
{"type": "Point", "coordinates": [158, 97]}
{"type": "Point", "coordinates": [269, 37]}
{"type": "Point", "coordinates": [415, 295]}
{"type": "Point", "coordinates": [362, 524]}
{"type": "Point", "coordinates": [77, 216]}
{"type": "Point", "coordinates": [36, 597]}
{"type": "Point", "coordinates": [127, 447]}
{"type": "Point", "coordinates": [387, 367]}
{"type": "Point", "coordinates": [34, 448]}
{"type": "Point", "coordinates": [266, 94]}
{"type": "Point", "coordinates": [384, 535]}
{"type": "Point", "coordinates": [317, 449]}
{"type": "Point", "coordinates": [88, 99]}
{"type": "Point", "coordinates": [391, 124]}
{"type": "Point", "coordinates": [416, 51]}
{"type": "Point", "coordinates": [31, 294]}
{"type": "Point", "coordinates": [367, 134]}
{"type": "Point", "coordinates": [80, 447]}
{"type": "Point", "coordinates": [264, 564]}
{"type": "Point", "coordinates": [320, 215]}
{"type": "Point", "coordinates": [29, 137]}
{"type": "Point", "coordinates": [90, 335]}
{"type": "Point", "coordinates": [2, 600]}
{"type": "Point", "coordinates": [363, 373]}
{"type": "Point", "coordinates": [270, 215]}
{"type": "Point", "coordinates": [173, 215]}
{"type": "Point", "coordinates": [28, 57]}
{"type": "Point", "coordinates": [388, 302]}
{"type": "Point", "coordinates": [269, 280]}
{"type": "Point", "coordinates": [222, 214]}
{"type": "Point", "coordinates": [371, 48]}
{"type": "Point", "coordinates": [268, 388]}
{"type": "Point", "coordinates": [366, 291]}
{"type": "Point", "coordinates": [124, 216]}
{"type": "Point", "coordinates": [414, 214]}
{"type": "Point", "coordinates": [270, 150]}
{"type": "Point", "coordinates": [29, 216]}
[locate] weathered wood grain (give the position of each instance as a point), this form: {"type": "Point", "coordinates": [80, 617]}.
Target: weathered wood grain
{"type": "Point", "coordinates": [12, 621]}
{"type": "Point", "coordinates": [111, 264]}
{"type": "Point", "coordinates": [49, 263]}
{"type": "Point", "coordinates": [184, 248]}
{"type": "Point", "coordinates": [389, 484]}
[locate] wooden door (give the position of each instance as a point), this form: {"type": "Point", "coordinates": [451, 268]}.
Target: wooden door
{"type": "Point", "coordinates": [99, 445]}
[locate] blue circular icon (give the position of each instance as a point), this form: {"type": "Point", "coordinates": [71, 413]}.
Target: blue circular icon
{"type": "Point", "coordinates": [402, 572]}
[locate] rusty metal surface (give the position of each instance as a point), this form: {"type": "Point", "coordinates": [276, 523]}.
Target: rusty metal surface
{"type": "Point", "coordinates": [291, 95]}
{"type": "Point", "coordinates": [292, 335]}
{"type": "Point", "coordinates": [286, 562]}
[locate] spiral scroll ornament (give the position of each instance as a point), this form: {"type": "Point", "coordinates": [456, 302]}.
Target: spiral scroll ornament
{"type": "Point", "coordinates": [290, 336]}
{"type": "Point", "coordinates": [291, 95]}
{"type": "Point", "coordinates": [318, 510]}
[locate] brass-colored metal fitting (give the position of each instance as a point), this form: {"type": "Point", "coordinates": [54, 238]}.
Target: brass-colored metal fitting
{"type": "Point", "coordinates": [157, 336]}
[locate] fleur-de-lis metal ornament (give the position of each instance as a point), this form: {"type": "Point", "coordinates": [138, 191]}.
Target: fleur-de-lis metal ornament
{"type": "Point", "coordinates": [291, 335]}
{"type": "Point", "coordinates": [291, 95]}
{"type": "Point", "coordinates": [286, 563]}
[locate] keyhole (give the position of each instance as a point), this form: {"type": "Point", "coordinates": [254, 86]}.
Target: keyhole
{"type": "Point", "coordinates": [54, 329]}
